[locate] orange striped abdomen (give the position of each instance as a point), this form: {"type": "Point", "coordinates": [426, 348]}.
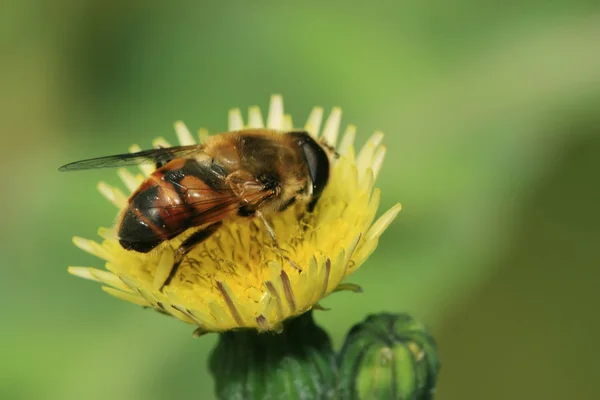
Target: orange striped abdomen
{"type": "Point", "coordinates": [176, 197]}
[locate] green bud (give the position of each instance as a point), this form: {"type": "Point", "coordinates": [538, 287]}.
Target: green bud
{"type": "Point", "coordinates": [298, 363]}
{"type": "Point", "coordinates": [388, 357]}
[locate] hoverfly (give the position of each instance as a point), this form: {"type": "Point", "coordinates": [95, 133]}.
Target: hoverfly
{"type": "Point", "coordinates": [251, 173]}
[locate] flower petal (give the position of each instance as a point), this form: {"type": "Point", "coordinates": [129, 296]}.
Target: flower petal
{"type": "Point", "coordinates": [203, 135]}
{"type": "Point", "coordinates": [112, 194]}
{"type": "Point", "coordinates": [275, 117]}
{"type": "Point", "coordinates": [89, 246]}
{"type": "Point", "coordinates": [236, 122]}
{"type": "Point", "coordinates": [183, 134]}
{"type": "Point", "coordinates": [378, 160]}
{"type": "Point", "coordinates": [365, 156]}
{"type": "Point", "coordinates": [131, 181]}
{"type": "Point", "coordinates": [160, 142]}
{"type": "Point", "coordinates": [287, 125]}
{"type": "Point", "coordinates": [255, 119]}
{"type": "Point", "coordinates": [332, 126]}
{"type": "Point", "coordinates": [347, 140]}
{"type": "Point", "coordinates": [383, 222]}
{"type": "Point", "coordinates": [132, 298]}
{"type": "Point", "coordinates": [313, 124]}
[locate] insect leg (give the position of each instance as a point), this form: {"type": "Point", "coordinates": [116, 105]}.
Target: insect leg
{"type": "Point", "coordinates": [274, 238]}
{"type": "Point", "coordinates": [188, 245]}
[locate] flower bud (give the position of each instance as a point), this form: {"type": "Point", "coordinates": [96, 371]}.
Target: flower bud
{"type": "Point", "coordinates": [298, 363]}
{"type": "Point", "coordinates": [388, 357]}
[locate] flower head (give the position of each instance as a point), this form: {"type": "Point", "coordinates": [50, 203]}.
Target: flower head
{"type": "Point", "coordinates": [237, 278]}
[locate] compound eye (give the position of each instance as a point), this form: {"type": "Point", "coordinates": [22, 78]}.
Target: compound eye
{"type": "Point", "coordinates": [318, 164]}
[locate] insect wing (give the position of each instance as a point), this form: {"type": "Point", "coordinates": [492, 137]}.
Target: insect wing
{"type": "Point", "coordinates": [154, 156]}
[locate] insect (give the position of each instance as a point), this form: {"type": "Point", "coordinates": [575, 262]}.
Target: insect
{"type": "Point", "coordinates": [250, 173]}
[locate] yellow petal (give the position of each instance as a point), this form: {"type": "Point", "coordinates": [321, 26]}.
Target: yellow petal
{"type": "Point", "coordinates": [184, 136]}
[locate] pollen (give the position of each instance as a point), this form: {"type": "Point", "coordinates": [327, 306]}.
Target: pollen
{"type": "Point", "coordinates": [237, 278]}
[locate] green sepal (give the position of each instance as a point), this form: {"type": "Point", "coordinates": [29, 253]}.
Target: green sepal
{"type": "Point", "coordinates": [298, 363]}
{"type": "Point", "coordinates": [388, 357]}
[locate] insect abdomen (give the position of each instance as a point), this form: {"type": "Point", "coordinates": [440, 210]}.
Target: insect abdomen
{"type": "Point", "coordinates": [136, 232]}
{"type": "Point", "coordinates": [159, 210]}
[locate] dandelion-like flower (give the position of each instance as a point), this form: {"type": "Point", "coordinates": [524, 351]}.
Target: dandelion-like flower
{"type": "Point", "coordinates": [236, 279]}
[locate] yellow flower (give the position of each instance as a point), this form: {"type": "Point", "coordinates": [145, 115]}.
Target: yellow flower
{"type": "Point", "coordinates": [235, 278]}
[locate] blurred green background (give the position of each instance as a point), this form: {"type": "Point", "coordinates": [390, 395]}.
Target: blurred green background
{"type": "Point", "coordinates": [492, 116]}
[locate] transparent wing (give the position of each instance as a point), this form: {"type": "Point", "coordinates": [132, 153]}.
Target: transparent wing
{"type": "Point", "coordinates": [153, 156]}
